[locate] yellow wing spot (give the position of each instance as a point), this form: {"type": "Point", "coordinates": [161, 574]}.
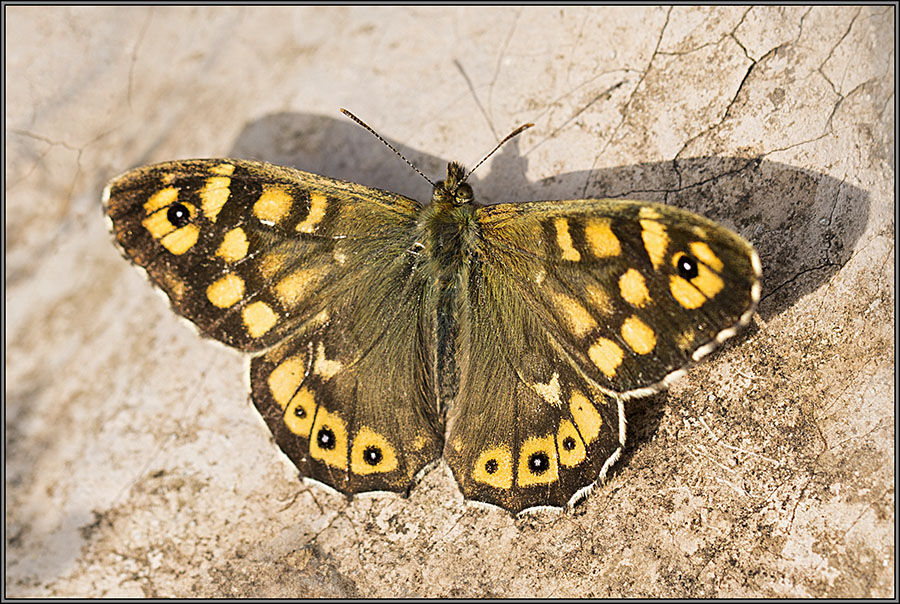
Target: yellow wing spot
{"type": "Point", "coordinates": [258, 318]}
{"type": "Point", "coordinates": [271, 264]}
{"type": "Point", "coordinates": [586, 417]}
{"type": "Point", "coordinates": [704, 254]}
{"type": "Point", "coordinates": [323, 367]}
{"type": "Point", "coordinates": [707, 281]}
{"type": "Point", "coordinates": [371, 453]}
{"type": "Point", "coordinates": [158, 222]}
{"type": "Point", "coordinates": [633, 288]}
{"type": "Point", "coordinates": [177, 241]}
{"type": "Point", "coordinates": [599, 299]}
{"type": "Point", "coordinates": [329, 439]}
{"type": "Point", "coordinates": [234, 245]}
{"type": "Point", "coordinates": [419, 443]}
{"type": "Point", "coordinates": [299, 412]}
{"type": "Point", "coordinates": [181, 240]}
{"type": "Point", "coordinates": [537, 461]}
{"type": "Point", "coordinates": [317, 205]}
{"type": "Point", "coordinates": [602, 241]}
{"type": "Point", "coordinates": [550, 391]}
{"type": "Point", "coordinates": [685, 339]}
{"type": "Point", "coordinates": [694, 293]}
{"type": "Point", "coordinates": [273, 205]}
{"type": "Point", "coordinates": [685, 294]}
{"type": "Point", "coordinates": [457, 444]}
{"type": "Point", "coordinates": [296, 286]}
{"type": "Point", "coordinates": [656, 241]}
{"type": "Point", "coordinates": [339, 256]}
{"type": "Point", "coordinates": [161, 199]}
{"type": "Point", "coordinates": [638, 335]}
{"type": "Point", "coordinates": [223, 169]}
{"type": "Point", "coordinates": [576, 316]}
{"type": "Point", "coordinates": [564, 240]}
{"type": "Point", "coordinates": [285, 379]}
{"type": "Point", "coordinates": [226, 292]}
{"type": "Point", "coordinates": [649, 212]}
{"type": "Point", "coordinates": [606, 355]}
{"type": "Point", "coordinates": [569, 444]}
{"type": "Point", "coordinates": [494, 467]}
{"type": "Point", "coordinates": [213, 196]}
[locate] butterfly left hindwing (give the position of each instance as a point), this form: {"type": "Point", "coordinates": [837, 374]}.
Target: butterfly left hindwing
{"type": "Point", "coordinates": [317, 273]}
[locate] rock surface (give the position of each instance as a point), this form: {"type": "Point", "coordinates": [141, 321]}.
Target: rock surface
{"type": "Point", "coordinates": [136, 465]}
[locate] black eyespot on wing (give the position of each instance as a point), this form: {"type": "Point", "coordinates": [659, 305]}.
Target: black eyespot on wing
{"type": "Point", "coordinates": [568, 443]}
{"type": "Point", "coordinates": [325, 438]}
{"type": "Point", "coordinates": [178, 215]}
{"type": "Point", "coordinates": [373, 455]}
{"type": "Point", "coordinates": [491, 466]}
{"type": "Point", "coordinates": [538, 462]}
{"type": "Point", "coordinates": [299, 411]}
{"type": "Point", "coordinates": [687, 267]}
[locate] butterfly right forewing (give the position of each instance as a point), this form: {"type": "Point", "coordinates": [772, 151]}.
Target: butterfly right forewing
{"type": "Point", "coordinates": [633, 291]}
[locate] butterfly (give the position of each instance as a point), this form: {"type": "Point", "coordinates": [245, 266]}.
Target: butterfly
{"type": "Point", "coordinates": [388, 334]}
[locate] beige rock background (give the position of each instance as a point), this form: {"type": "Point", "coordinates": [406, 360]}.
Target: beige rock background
{"type": "Point", "coordinates": [135, 465]}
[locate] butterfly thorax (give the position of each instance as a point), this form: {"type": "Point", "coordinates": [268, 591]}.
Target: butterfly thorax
{"type": "Point", "coordinates": [448, 226]}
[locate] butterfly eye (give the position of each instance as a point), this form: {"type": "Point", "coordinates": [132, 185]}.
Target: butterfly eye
{"type": "Point", "coordinates": [464, 194]}
{"type": "Point", "coordinates": [178, 215]}
{"type": "Point", "coordinates": [538, 463]}
{"type": "Point", "coordinates": [687, 267]}
{"type": "Point", "coordinates": [325, 438]}
{"type": "Point", "coordinates": [373, 456]}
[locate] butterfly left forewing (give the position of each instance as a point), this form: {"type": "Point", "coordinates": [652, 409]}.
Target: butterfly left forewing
{"type": "Point", "coordinates": [248, 251]}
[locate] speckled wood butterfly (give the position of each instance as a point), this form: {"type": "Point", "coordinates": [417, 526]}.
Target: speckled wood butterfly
{"type": "Point", "coordinates": [388, 334]}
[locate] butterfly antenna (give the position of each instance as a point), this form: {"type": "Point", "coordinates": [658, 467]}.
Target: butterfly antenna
{"type": "Point", "coordinates": [515, 132]}
{"type": "Point", "coordinates": [389, 146]}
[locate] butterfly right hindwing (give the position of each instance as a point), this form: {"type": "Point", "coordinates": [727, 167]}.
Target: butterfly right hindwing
{"type": "Point", "coordinates": [527, 429]}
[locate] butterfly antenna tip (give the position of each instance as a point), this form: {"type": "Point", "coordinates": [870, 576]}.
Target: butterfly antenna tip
{"type": "Point", "coordinates": [389, 146]}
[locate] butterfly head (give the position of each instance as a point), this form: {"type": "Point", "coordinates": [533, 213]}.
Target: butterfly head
{"type": "Point", "coordinates": [453, 190]}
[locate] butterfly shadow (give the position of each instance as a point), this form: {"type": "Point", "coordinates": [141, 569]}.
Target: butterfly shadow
{"type": "Point", "coordinates": [804, 224]}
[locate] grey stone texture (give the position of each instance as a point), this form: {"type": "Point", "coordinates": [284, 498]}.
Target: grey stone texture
{"type": "Point", "coordinates": [135, 464]}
